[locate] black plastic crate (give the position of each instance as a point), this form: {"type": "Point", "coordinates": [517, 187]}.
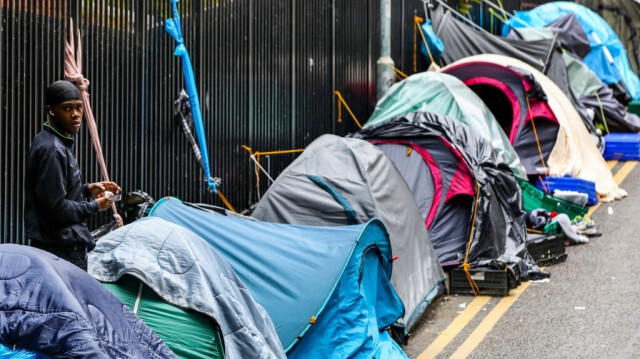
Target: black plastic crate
{"type": "Point", "coordinates": [547, 249]}
{"type": "Point", "coordinates": [492, 282]}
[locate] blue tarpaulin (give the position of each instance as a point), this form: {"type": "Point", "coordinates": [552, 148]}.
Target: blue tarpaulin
{"type": "Point", "coordinates": [174, 28]}
{"type": "Point", "coordinates": [326, 289]}
{"type": "Point", "coordinates": [8, 353]}
{"type": "Point", "coordinates": [603, 40]}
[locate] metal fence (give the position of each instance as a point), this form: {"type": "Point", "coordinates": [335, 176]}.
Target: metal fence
{"type": "Point", "coordinates": [266, 73]}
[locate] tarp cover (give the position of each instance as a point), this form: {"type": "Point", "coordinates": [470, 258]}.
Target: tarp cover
{"type": "Point", "coordinates": [325, 288]}
{"type": "Point", "coordinates": [624, 18]}
{"type": "Point", "coordinates": [606, 48]}
{"type": "Point", "coordinates": [187, 272]}
{"type": "Point", "coordinates": [595, 94]}
{"type": "Point", "coordinates": [445, 95]}
{"type": "Point", "coordinates": [372, 187]}
{"type": "Point", "coordinates": [574, 153]}
{"type": "Point", "coordinates": [52, 307]}
{"type": "Point", "coordinates": [8, 353]}
{"type": "Point", "coordinates": [499, 238]}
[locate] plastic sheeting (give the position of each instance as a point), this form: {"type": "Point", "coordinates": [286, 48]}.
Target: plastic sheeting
{"type": "Point", "coordinates": [52, 307]}
{"type": "Point", "coordinates": [499, 238]}
{"type": "Point", "coordinates": [372, 187]}
{"type": "Point", "coordinates": [8, 353]}
{"type": "Point", "coordinates": [574, 153]}
{"type": "Point", "coordinates": [606, 48]}
{"type": "Point", "coordinates": [445, 95]}
{"type": "Point", "coordinates": [585, 84]}
{"type": "Point", "coordinates": [186, 272]}
{"type": "Point", "coordinates": [593, 93]}
{"type": "Point", "coordinates": [624, 18]}
{"type": "Point", "coordinates": [308, 279]}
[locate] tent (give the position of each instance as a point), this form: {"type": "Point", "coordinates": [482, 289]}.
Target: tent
{"type": "Point", "coordinates": [184, 290]}
{"type": "Point", "coordinates": [610, 114]}
{"type": "Point", "coordinates": [545, 55]}
{"type": "Point", "coordinates": [608, 57]}
{"type": "Point", "coordinates": [52, 307]}
{"type": "Point", "coordinates": [325, 288]}
{"type": "Point", "coordinates": [574, 154]}
{"type": "Point", "coordinates": [471, 199]}
{"type": "Point", "coordinates": [519, 105]}
{"type": "Point", "coordinates": [446, 95]}
{"type": "Point", "coordinates": [339, 181]}
{"type": "Point", "coordinates": [624, 19]}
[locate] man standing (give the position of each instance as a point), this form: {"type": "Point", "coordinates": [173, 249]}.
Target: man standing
{"type": "Point", "coordinates": [55, 207]}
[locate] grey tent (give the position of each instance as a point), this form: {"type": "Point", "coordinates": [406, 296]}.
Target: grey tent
{"type": "Point", "coordinates": [186, 272]}
{"type": "Point", "coordinates": [544, 55]}
{"type": "Point", "coordinates": [339, 181]}
{"type": "Point", "coordinates": [468, 194]}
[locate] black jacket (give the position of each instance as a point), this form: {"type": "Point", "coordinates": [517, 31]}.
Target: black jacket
{"type": "Point", "coordinates": [55, 207]}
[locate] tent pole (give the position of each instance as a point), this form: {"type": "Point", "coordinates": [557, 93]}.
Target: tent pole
{"type": "Point", "coordinates": [385, 74]}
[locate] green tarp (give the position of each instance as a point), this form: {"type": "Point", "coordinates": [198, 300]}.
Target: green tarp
{"type": "Point", "coordinates": [190, 335]}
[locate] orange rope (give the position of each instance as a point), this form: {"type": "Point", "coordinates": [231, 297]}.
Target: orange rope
{"type": "Point", "coordinates": [535, 133]}
{"type": "Point", "coordinates": [415, 46]}
{"type": "Point", "coordinates": [225, 201]}
{"type": "Point", "coordinates": [342, 101]}
{"type": "Point", "coordinates": [398, 72]}
{"type": "Point", "coordinates": [465, 265]}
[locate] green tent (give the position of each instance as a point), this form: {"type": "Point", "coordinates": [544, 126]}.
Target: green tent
{"type": "Point", "coordinates": [187, 333]}
{"type": "Point", "coordinates": [446, 95]}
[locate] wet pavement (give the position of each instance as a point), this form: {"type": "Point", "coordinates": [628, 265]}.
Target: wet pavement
{"type": "Point", "coordinates": [588, 309]}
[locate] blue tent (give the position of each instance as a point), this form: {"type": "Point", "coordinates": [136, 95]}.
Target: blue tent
{"type": "Point", "coordinates": [326, 289]}
{"type": "Point", "coordinates": [50, 306]}
{"type": "Point", "coordinates": [608, 57]}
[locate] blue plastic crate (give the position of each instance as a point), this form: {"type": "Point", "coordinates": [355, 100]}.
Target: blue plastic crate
{"type": "Point", "coordinates": [569, 184]}
{"type": "Point", "coordinates": [622, 146]}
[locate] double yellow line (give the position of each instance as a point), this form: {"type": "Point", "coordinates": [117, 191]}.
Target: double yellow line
{"type": "Point", "coordinates": [487, 324]}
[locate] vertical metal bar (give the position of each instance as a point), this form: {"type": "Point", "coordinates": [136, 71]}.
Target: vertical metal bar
{"type": "Point", "coordinates": [293, 73]}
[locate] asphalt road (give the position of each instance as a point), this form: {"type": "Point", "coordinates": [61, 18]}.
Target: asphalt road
{"type": "Point", "coordinates": [588, 309]}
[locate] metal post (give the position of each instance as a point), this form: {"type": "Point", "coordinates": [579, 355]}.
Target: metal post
{"type": "Point", "coordinates": [386, 75]}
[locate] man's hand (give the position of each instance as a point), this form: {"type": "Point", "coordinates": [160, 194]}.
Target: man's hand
{"type": "Point", "coordinates": [104, 202]}
{"type": "Point", "coordinates": [97, 189]}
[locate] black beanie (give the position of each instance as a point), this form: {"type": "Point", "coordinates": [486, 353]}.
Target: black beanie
{"type": "Point", "coordinates": [61, 91]}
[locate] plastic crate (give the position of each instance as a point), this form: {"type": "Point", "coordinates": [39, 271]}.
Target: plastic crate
{"type": "Point", "coordinates": [634, 107]}
{"type": "Point", "coordinates": [534, 198]}
{"type": "Point", "coordinates": [622, 146]}
{"type": "Point", "coordinates": [552, 228]}
{"type": "Point", "coordinates": [569, 184]}
{"type": "Point", "coordinates": [547, 249]}
{"type": "Point", "coordinates": [492, 282]}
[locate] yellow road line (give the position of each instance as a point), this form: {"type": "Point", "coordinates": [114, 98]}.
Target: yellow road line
{"type": "Point", "coordinates": [454, 328]}
{"type": "Point", "coordinates": [489, 322]}
{"type": "Point", "coordinates": [622, 173]}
